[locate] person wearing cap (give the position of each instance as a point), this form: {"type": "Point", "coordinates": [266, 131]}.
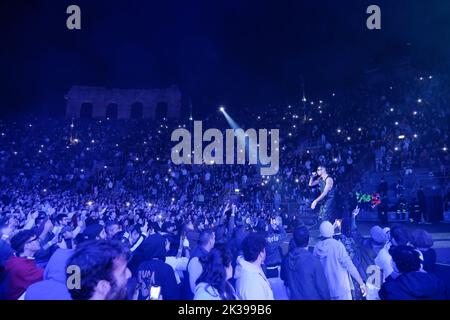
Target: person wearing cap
{"type": "Point", "coordinates": [398, 236]}
{"type": "Point", "coordinates": [377, 240]}
{"type": "Point", "coordinates": [21, 269]}
{"type": "Point", "coordinates": [337, 264]}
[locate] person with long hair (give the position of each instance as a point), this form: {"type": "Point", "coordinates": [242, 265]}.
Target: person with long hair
{"type": "Point", "coordinates": [213, 282]}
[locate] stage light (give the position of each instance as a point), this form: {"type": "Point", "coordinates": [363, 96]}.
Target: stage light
{"type": "Point", "coordinates": [401, 137]}
{"type": "Point", "coordinates": [237, 190]}
{"type": "Point", "coordinates": [105, 167]}
{"type": "Point", "coordinates": [92, 141]}
{"type": "Point", "coordinates": [90, 203]}
{"type": "Point", "coordinates": [290, 134]}
{"type": "Point", "coordinates": [396, 123]}
{"type": "Point", "coordinates": [415, 113]}
{"type": "Point", "coordinates": [419, 100]}
{"type": "Point", "coordinates": [415, 135]}
{"type": "Point", "coordinates": [259, 117]}
{"type": "Point", "coordinates": [421, 78]}
{"type": "Point", "coordinates": [222, 109]}
{"type": "Point", "coordinates": [149, 204]}
{"type": "Point", "coordinates": [359, 129]}
{"type": "Point", "coordinates": [190, 119]}
{"type": "Point", "coordinates": [333, 94]}
{"type": "Point", "coordinates": [3, 134]}
{"type": "Point", "coordinates": [312, 103]}
{"type": "Point", "coordinates": [338, 130]}
{"type": "Point", "coordinates": [320, 101]}
{"type": "Point", "coordinates": [310, 119]}
{"type": "Point", "coordinates": [335, 159]}
{"type": "Point", "coordinates": [444, 149]}
{"type": "Point", "coordinates": [127, 204]}
{"type": "Point", "coordinates": [304, 99]}
{"type": "Point", "coordinates": [71, 125]}
{"type": "Point", "coordinates": [30, 125]}
{"type": "Point", "coordinates": [396, 148]}
{"type": "Point", "coordinates": [278, 180]}
{"type": "Point", "coordinates": [392, 109]}
{"type": "Point", "coordinates": [45, 190]}
{"type": "Point", "coordinates": [143, 171]}
{"type": "Point", "coordinates": [157, 158]}
{"type": "Point", "coordinates": [289, 106]}
{"type": "Point", "coordinates": [430, 77]}
{"type": "Point", "coordinates": [296, 180]}
{"type": "Point", "coordinates": [118, 144]}
{"type": "Point", "coordinates": [349, 138]}
{"type": "Point", "coordinates": [137, 159]}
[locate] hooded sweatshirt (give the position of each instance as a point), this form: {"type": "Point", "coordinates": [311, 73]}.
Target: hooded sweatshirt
{"type": "Point", "coordinates": [54, 286]}
{"type": "Point", "coordinates": [335, 262]}
{"type": "Point", "coordinates": [413, 286]}
{"type": "Point", "coordinates": [304, 276]}
{"type": "Point", "coordinates": [153, 271]}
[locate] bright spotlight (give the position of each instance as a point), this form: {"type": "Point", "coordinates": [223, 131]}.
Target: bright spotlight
{"type": "Point", "coordinates": [222, 109]}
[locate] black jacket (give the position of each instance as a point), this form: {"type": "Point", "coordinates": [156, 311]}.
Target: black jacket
{"type": "Point", "coordinates": [303, 274]}
{"type": "Point", "coordinates": [413, 286]}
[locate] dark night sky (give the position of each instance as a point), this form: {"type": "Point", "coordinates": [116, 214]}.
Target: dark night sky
{"type": "Point", "coordinates": [235, 52]}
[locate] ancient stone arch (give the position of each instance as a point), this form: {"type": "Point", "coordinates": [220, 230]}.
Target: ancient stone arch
{"type": "Point", "coordinates": [123, 102]}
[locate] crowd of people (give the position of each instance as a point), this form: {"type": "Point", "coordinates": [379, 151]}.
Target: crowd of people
{"type": "Point", "coordinates": [105, 196]}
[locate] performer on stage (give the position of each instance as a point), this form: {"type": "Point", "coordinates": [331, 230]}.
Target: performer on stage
{"type": "Point", "coordinates": [327, 195]}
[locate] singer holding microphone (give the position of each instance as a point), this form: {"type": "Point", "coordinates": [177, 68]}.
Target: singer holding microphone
{"type": "Point", "coordinates": [327, 195]}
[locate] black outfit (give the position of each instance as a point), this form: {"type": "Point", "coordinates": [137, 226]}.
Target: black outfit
{"type": "Point", "coordinates": [413, 286]}
{"type": "Point", "coordinates": [327, 209]}
{"type": "Point", "coordinates": [303, 274]}
{"type": "Point", "coordinates": [157, 273]}
{"type": "Point", "coordinates": [152, 270]}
